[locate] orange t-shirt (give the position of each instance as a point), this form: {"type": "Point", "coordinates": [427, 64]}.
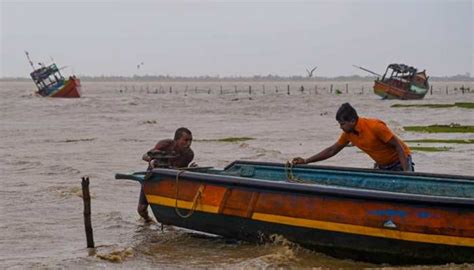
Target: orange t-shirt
{"type": "Point", "coordinates": [372, 138]}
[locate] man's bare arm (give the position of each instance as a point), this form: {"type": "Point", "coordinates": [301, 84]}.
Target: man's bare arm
{"type": "Point", "coordinates": [325, 154]}
{"type": "Point", "coordinates": [395, 143]}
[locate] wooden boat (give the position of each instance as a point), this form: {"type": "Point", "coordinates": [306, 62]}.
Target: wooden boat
{"type": "Point", "coordinates": [51, 83]}
{"type": "Point", "coordinates": [401, 82]}
{"type": "Point", "coordinates": [362, 214]}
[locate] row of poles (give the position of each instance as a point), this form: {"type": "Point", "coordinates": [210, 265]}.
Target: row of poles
{"type": "Point", "coordinates": [276, 89]}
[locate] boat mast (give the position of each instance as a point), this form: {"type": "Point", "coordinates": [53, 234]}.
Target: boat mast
{"type": "Point", "coordinates": [37, 83]}
{"type": "Point", "coordinates": [31, 62]}
{"type": "Point", "coordinates": [366, 70]}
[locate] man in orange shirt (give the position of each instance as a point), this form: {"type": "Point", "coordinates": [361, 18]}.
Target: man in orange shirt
{"type": "Point", "coordinates": [372, 136]}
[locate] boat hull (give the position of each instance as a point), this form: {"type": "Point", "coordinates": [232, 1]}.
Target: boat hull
{"type": "Point", "coordinates": [349, 223]}
{"type": "Point", "coordinates": [70, 89]}
{"type": "Point", "coordinates": [388, 91]}
{"type": "Point", "coordinates": [336, 244]}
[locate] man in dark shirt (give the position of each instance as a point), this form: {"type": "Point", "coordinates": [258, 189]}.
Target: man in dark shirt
{"type": "Point", "coordinates": [180, 147]}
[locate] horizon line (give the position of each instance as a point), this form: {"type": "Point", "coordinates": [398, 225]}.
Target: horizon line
{"type": "Point", "coordinates": [466, 76]}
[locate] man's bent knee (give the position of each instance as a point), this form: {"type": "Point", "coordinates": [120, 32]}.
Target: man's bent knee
{"type": "Point", "coordinates": [142, 209]}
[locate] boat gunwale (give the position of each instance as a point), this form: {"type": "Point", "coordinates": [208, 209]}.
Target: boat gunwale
{"type": "Point", "coordinates": [455, 177]}
{"type": "Point", "coordinates": [302, 188]}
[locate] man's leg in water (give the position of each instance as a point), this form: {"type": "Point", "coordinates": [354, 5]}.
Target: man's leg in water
{"type": "Point", "coordinates": [142, 208]}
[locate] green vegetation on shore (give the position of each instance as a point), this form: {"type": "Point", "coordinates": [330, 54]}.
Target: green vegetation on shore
{"type": "Point", "coordinates": [460, 141]}
{"type": "Point", "coordinates": [429, 148]}
{"type": "Point", "coordinates": [228, 139]}
{"type": "Point", "coordinates": [78, 140]}
{"type": "Point", "coordinates": [465, 105]}
{"type": "Point", "coordinates": [452, 128]}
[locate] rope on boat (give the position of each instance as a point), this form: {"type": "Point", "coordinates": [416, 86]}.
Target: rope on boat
{"type": "Point", "coordinates": [290, 176]}
{"type": "Point", "coordinates": [196, 198]}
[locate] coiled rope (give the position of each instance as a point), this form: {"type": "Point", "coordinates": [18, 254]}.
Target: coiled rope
{"type": "Point", "coordinates": [290, 176]}
{"type": "Point", "coordinates": [196, 198]}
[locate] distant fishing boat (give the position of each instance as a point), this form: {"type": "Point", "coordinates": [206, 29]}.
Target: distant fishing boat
{"type": "Point", "coordinates": [51, 83]}
{"type": "Point", "coordinates": [400, 82]}
{"type": "Point", "coordinates": [361, 214]}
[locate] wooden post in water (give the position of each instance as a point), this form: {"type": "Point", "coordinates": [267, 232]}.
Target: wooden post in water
{"type": "Point", "coordinates": [288, 92]}
{"type": "Point", "coordinates": [331, 89]}
{"type": "Point", "coordinates": [250, 89]}
{"type": "Point", "coordinates": [235, 88]}
{"type": "Point", "coordinates": [347, 88]}
{"type": "Point", "coordinates": [446, 89]}
{"type": "Point", "coordinates": [316, 89]}
{"type": "Point", "coordinates": [263, 88]}
{"type": "Point", "coordinates": [87, 212]}
{"type": "Point", "coordinates": [221, 89]}
{"type": "Point", "coordinates": [431, 89]}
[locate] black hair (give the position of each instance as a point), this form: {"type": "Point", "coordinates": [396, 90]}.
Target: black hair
{"type": "Point", "coordinates": [346, 113]}
{"type": "Point", "coordinates": [180, 131]}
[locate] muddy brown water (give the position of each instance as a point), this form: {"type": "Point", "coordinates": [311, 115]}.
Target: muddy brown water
{"type": "Point", "coordinates": [48, 144]}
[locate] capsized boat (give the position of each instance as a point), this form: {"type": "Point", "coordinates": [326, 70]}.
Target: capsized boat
{"type": "Point", "coordinates": [361, 214]}
{"type": "Point", "coordinates": [400, 82]}
{"type": "Point", "coordinates": [51, 83]}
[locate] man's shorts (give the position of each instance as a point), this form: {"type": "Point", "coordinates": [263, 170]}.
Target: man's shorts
{"type": "Point", "coordinates": [396, 166]}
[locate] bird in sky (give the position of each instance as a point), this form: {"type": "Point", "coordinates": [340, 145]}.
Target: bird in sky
{"type": "Point", "coordinates": [140, 65]}
{"type": "Point", "coordinates": [310, 73]}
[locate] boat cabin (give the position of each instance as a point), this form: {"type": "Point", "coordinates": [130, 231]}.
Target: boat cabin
{"type": "Point", "coordinates": [47, 79]}
{"type": "Point", "coordinates": [399, 75]}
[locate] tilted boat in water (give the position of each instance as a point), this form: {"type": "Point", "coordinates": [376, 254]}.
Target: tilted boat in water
{"type": "Point", "coordinates": [51, 83]}
{"type": "Point", "coordinates": [362, 214]}
{"type": "Point", "coordinates": [401, 82]}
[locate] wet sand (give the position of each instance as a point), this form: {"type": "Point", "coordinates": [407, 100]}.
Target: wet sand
{"type": "Point", "coordinates": [48, 144]}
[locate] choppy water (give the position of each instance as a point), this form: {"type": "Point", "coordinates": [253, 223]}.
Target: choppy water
{"type": "Point", "coordinates": [48, 144]}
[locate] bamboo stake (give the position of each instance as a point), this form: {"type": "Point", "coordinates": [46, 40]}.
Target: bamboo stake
{"type": "Point", "coordinates": [87, 212]}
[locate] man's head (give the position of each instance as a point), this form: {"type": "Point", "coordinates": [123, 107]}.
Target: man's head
{"type": "Point", "coordinates": [183, 138]}
{"type": "Point", "coordinates": [347, 117]}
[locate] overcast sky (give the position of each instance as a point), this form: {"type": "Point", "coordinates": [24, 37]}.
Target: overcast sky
{"type": "Point", "coordinates": [237, 38]}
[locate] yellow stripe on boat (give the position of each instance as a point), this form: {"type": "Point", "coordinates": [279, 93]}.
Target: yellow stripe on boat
{"type": "Point", "coordinates": [368, 231]}
{"type": "Point", "coordinates": [325, 225]}
{"type": "Point", "coordinates": [165, 201]}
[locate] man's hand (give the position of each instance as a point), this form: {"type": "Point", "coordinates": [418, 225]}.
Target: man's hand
{"type": "Point", "coordinates": [298, 160]}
